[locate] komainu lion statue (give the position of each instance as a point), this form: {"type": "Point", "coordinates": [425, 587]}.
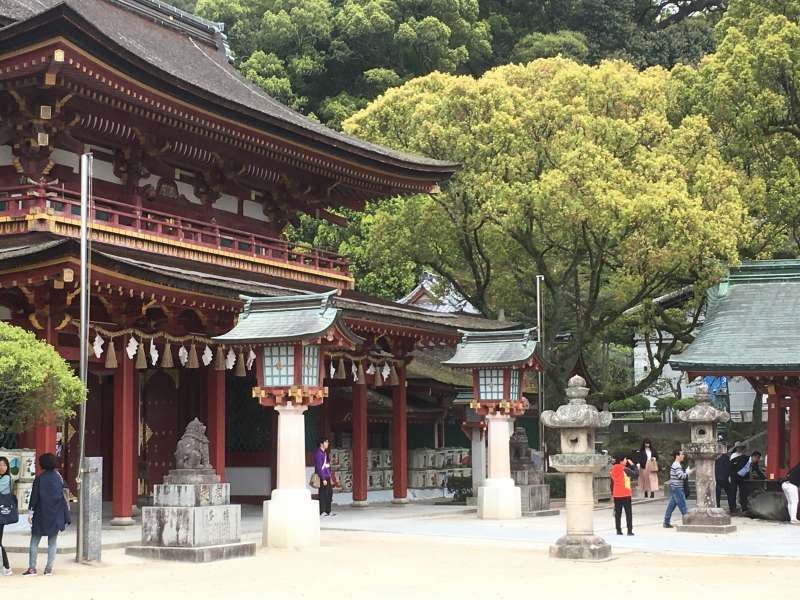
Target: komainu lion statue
{"type": "Point", "coordinates": [192, 450]}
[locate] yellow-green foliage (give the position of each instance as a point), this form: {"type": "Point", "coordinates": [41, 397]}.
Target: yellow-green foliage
{"type": "Point", "coordinates": [35, 382]}
{"type": "Point", "coordinates": [571, 171]}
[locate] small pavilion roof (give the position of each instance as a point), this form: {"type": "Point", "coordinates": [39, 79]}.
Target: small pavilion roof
{"type": "Point", "coordinates": [287, 318]}
{"type": "Point", "coordinates": [495, 348]}
{"type": "Point", "coordinates": [752, 323]}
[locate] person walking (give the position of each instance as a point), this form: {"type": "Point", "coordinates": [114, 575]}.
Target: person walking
{"type": "Point", "coordinates": [322, 467]}
{"type": "Point", "coordinates": [621, 490]}
{"type": "Point", "coordinates": [5, 490]}
{"type": "Point", "coordinates": [48, 512]}
{"type": "Point", "coordinates": [790, 487]}
{"type": "Point", "coordinates": [648, 468]}
{"type": "Point", "coordinates": [722, 475]}
{"type": "Point", "coordinates": [677, 497]}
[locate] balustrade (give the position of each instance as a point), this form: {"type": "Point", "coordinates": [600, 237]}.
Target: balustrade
{"type": "Point", "coordinates": [23, 200]}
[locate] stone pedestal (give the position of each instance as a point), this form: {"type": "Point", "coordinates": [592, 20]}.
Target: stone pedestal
{"type": "Point", "coordinates": [192, 518]}
{"type": "Point", "coordinates": [291, 517]}
{"type": "Point", "coordinates": [498, 497]}
{"type": "Point", "coordinates": [577, 422]}
{"type": "Point", "coordinates": [527, 471]}
{"type": "Point", "coordinates": [92, 500]}
{"type": "Point", "coordinates": [704, 449]}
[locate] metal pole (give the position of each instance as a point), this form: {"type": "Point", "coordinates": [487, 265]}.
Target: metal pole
{"type": "Point", "coordinates": [539, 348]}
{"type": "Point", "coordinates": [86, 182]}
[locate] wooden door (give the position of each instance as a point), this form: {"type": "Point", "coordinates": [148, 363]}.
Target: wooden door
{"type": "Point", "coordinates": [159, 417]}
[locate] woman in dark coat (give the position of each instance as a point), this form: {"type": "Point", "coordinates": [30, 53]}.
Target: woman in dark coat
{"type": "Point", "coordinates": [48, 512]}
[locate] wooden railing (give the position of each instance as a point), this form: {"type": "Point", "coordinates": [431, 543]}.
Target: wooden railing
{"type": "Point", "coordinates": [21, 201]}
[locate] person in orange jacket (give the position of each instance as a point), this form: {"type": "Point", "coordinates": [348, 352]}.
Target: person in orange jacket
{"type": "Point", "coordinates": [621, 473]}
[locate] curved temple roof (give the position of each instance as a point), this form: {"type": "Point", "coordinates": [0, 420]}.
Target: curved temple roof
{"type": "Point", "coordinates": [494, 349]}
{"type": "Point", "coordinates": [752, 323]}
{"type": "Point", "coordinates": [186, 55]}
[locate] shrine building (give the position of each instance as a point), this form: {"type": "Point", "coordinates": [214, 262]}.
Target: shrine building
{"type": "Point", "coordinates": [752, 331]}
{"type": "Point", "coordinates": [196, 173]}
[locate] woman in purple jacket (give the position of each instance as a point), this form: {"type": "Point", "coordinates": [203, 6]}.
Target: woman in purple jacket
{"type": "Point", "coordinates": [322, 467]}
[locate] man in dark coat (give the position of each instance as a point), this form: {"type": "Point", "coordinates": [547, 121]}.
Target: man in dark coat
{"type": "Point", "coordinates": [48, 512]}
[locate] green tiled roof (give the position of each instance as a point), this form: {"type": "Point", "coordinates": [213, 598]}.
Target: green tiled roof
{"type": "Point", "coordinates": [286, 318]}
{"type": "Point", "coordinates": [752, 323]}
{"type": "Point", "coordinates": [494, 348]}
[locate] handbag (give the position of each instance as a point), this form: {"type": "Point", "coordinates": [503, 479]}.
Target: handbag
{"type": "Point", "coordinates": [9, 512]}
{"type": "Point", "coordinates": [315, 481]}
{"type": "Point", "coordinates": [652, 465]}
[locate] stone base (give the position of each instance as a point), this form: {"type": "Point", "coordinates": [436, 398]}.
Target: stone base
{"type": "Point", "coordinates": [359, 503]}
{"type": "Point", "coordinates": [706, 528]}
{"type": "Point", "coordinates": [400, 501]}
{"type": "Point", "coordinates": [535, 497]}
{"type": "Point", "coordinates": [183, 494]}
{"type": "Point", "coordinates": [196, 555]}
{"type": "Point", "coordinates": [191, 526]}
{"type": "Point", "coordinates": [191, 476]}
{"type": "Point", "coordinates": [548, 512]}
{"type": "Point", "coordinates": [707, 520]}
{"type": "Point", "coordinates": [123, 522]}
{"type": "Point", "coordinates": [499, 499]}
{"type": "Point", "coordinates": [581, 547]}
{"type": "Point", "coordinates": [291, 520]}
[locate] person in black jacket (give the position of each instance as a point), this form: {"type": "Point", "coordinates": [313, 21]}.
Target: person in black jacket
{"type": "Point", "coordinates": [48, 512]}
{"type": "Point", "coordinates": [722, 474]}
{"type": "Point", "coordinates": [744, 468]}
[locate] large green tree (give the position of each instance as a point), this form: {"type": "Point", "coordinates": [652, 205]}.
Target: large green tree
{"type": "Point", "coordinates": [573, 173]}
{"type": "Point", "coordinates": [748, 91]}
{"type": "Point", "coordinates": [331, 57]}
{"type": "Point", "coordinates": [35, 382]}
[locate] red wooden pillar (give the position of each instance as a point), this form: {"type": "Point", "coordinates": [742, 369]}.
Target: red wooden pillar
{"type": "Point", "coordinates": [216, 420]}
{"type": "Point", "coordinates": [44, 435]}
{"type": "Point", "coordinates": [775, 431]}
{"type": "Point", "coordinates": [124, 433]}
{"type": "Point", "coordinates": [400, 439]}
{"type": "Point", "coordinates": [359, 445]}
{"type": "Point", "coordinates": [794, 431]}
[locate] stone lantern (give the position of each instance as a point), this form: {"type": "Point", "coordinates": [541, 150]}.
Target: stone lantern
{"type": "Point", "coordinates": [291, 334]}
{"type": "Point", "coordinates": [704, 450]}
{"type": "Point", "coordinates": [577, 421]}
{"type": "Point", "coordinates": [498, 361]}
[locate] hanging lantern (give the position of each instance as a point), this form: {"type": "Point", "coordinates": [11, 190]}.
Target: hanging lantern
{"type": "Point", "coordinates": [362, 378]}
{"type": "Point", "coordinates": [219, 361]}
{"type": "Point", "coordinates": [166, 357]}
{"type": "Point", "coordinates": [393, 379]}
{"type": "Point", "coordinates": [240, 368]}
{"type": "Point", "coordinates": [193, 363]}
{"type": "Point", "coordinates": [141, 360]}
{"type": "Point", "coordinates": [111, 355]}
{"type": "Point", "coordinates": [340, 372]}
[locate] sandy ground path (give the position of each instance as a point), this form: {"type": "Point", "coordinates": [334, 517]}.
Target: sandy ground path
{"type": "Point", "coordinates": [375, 565]}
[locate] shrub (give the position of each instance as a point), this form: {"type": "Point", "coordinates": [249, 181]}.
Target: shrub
{"type": "Point", "coordinates": [633, 403]}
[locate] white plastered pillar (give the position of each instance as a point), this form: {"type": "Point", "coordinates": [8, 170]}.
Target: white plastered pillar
{"type": "Point", "coordinates": [498, 497]}
{"type": "Point", "coordinates": [291, 516]}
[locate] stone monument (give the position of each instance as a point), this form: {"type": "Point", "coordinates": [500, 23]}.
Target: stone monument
{"type": "Point", "coordinates": [92, 499]}
{"type": "Point", "coordinates": [704, 450]}
{"type": "Point", "coordinates": [578, 460]}
{"type": "Point", "coordinates": [527, 471]}
{"type": "Point", "coordinates": [192, 518]}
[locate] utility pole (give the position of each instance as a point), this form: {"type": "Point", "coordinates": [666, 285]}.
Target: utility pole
{"type": "Point", "coordinates": [86, 193]}
{"type": "Point", "coordinates": [540, 350]}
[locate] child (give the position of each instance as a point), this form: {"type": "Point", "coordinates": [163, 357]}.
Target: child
{"type": "Point", "coordinates": [621, 474]}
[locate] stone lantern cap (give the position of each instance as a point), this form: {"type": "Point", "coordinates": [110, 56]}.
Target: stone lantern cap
{"type": "Point", "coordinates": [703, 411]}
{"type": "Point", "coordinates": [576, 414]}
